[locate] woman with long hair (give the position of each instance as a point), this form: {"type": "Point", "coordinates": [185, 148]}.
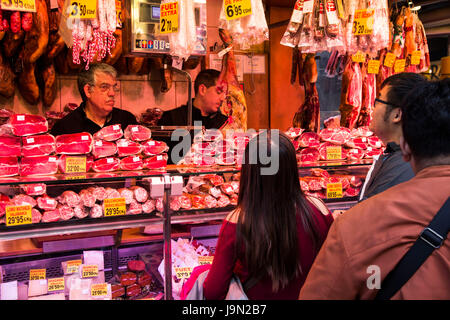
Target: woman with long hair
{"type": "Point", "coordinates": [271, 239]}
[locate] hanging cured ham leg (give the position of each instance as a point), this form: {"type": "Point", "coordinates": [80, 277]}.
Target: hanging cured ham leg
{"type": "Point", "coordinates": [351, 95]}
{"type": "Point", "coordinates": [6, 78]}
{"type": "Point", "coordinates": [234, 105]}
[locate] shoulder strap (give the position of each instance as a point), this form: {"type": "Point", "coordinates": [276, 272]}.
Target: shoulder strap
{"type": "Point", "coordinates": [430, 238]}
{"type": "Point", "coordinates": [319, 204]}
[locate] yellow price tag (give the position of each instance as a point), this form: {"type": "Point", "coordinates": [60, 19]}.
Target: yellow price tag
{"type": "Point", "coordinates": [83, 9]}
{"type": "Point", "coordinates": [168, 21]}
{"type": "Point", "coordinates": [73, 266]}
{"type": "Point", "coordinates": [75, 177]}
{"type": "Point", "coordinates": [359, 57]}
{"type": "Point", "coordinates": [235, 9]}
{"type": "Point", "coordinates": [363, 22]}
{"type": "Point", "coordinates": [334, 153]}
{"type": "Point", "coordinates": [119, 17]}
{"type": "Point", "coordinates": [183, 272]}
{"type": "Point", "coordinates": [18, 215]}
{"type": "Point", "coordinates": [205, 260]}
{"type": "Point", "coordinates": [37, 274]}
{"type": "Point", "coordinates": [389, 59]}
{"type": "Point", "coordinates": [399, 65]}
{"type": "Point", "coordinates": [114, 207]}
{"type": "Point", "coordinates": [415, 58]}
{"type": "Point", "coordinates": [373, 66]}
{"type": "Point", "coordinates": [56, 284]}
{"type": "Point", "coordinates": [99, 289]}
{"type": "Point", "coordinates": [19, 5]}
{"type": "Point", "coordinates": [334, 190]}
{"type": "Point", "coordinates": [89, 271]}
{"type": "Point", "coordinates": [75, 164]}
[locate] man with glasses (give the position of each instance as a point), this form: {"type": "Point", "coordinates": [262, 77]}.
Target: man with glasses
{"type": "Point", "coordinates": [99, 89]}
{"type": "Point", "coordinates": [205, 105]}
{"type": "Point", "coordinates": [389, 169]}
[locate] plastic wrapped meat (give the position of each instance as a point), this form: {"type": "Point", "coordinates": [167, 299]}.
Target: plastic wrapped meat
{"type": "Point", "coordinates": [131, 163]}
{"type": "Point", "coordinates": [51, 216]}
{"type": "Point", "coordinates": [128, 147]}
{"type": "Point", "coordinates": [70, 198]}
{"type": "Point", "coordinates": [355, 154]}
{"type": "Point", "coordinates": [309, 155]}
{"type": "Point", "coordinates": [106, 164]}
{"type": "Point", "coordinates": [66, 212]}
{"type": "Point", "coordinates": [62, 162]}
{"type": "Point", "coordinates": [37, 189]}
{"type": "Point", "coordinates": [185, 201]}
{"type": "Point", "coordinates": [309, 140]}
{"type": "Point", "coordinates": [9, 146]}
{"type": "Point", "coordinates": [103, 149]}
{"type": "Point", "coordinates": [112, 193]}
{"type": "Point", "coordinates": [134, 208]}
{"type": "Point", "coordinates": [87, 198]}
{"type": "Point", "coordinates": [223, 201]}
{"type": "Point", "coordinates": [81, 212]}
{"type": "Point", "coordinates": [22, 199]}
{"type": "Point", "coordinates": [98, 192]}
{"type": "Point", "coordinates": [109, 133]}
{"type": "Point", "coordinates": [38, 145]}
{"type": "Point", "coordinates": [156, 162]}
{"type": "Point", "coordinates": [153, 147]}
{"type": "Point", "coordinates": [140, 194]}
{"type": "Point", "coordinates": [149, 206]}
{"type": "Point", "coordinates": [46, 203]}
{"type": "Point", "coordinates": [137, 133]}
{"type": "Point", "coordinates": [36, 216]}
{"type": "Point", "coordinates": [357, 143]}
{"type": "Point", "coordinates": [9, 166]}
{"type": "Point", "coordinates": [27, 124]}
{"type": "Point", "coordinates": [38, 165]}
{"type": "Point", "coordinates": [75, 143]}
{"type": "Point", "coordinates": [96, 211]}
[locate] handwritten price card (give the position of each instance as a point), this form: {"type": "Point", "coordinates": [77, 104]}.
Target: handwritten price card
{"type": "Point", "coordinates": [18, 215]}
{"type": "Point", "coordinates": [168, 21]}
{"type": "Point", "coordinates": [114, 207]}
{"type": "Point", "coordinates": [334, 190]}
{"type": "Point", "coordinates": [235, 9]}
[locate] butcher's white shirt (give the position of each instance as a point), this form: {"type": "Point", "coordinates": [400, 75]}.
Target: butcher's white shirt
{"type": "Point", "coordinates": [369, 174]}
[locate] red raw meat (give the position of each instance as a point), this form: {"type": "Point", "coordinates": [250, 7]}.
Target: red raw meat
{"type": "Point", "coordinates": [368, 98]}
{"type": "Point", "coordinates": [153, 147]}
{"type": "Point", "coordinates": [345, 182]}
{"type": "Point", "coordinates": [51, 216]}
{"type": "Point", "coordinates": [370, 152]}
{"type": "Point", "coordinates": [75, 143]}
{"type": "Point", "coordinates": [304, 185]}
{"type": "Point", "coordinates": [210, 201]}
{"type": "Point", "coordinates": [36, 216]}
{"type": "Point", "coordinates": [332, 122]}
{"type": "Point", "coordinates": [38, 165]}
{"type": "Point", "coordinates": [63, 158]}
{"type": "Point", "coordinates": [315, 184]}
{"type": "Point", "coordinates": [357, 143]}
{"type": "Point", "coordinates": [140, 194]}
{"type": "Point", "coordinates": [156, 162]}
{"type": "Point", "coordinates": [309, 140]}
{"type": "Point", "coordinates": [355, 181]}
{"type": "Point", "coordinates": [234, 199]}
{"type": "Point", "coordinates": [185, 201]}
{"type": "Point", "coordinates": [70, 198]}
{"type": "Point", "coordinates": [317, 172]}
{"type": "Point", "coordinates": [66, 212]}
{"type": "Point", "coordinates": [227, 188]}
{"type": "Point", "coordinates": [355, 154]}
{"type": "Point", "coordinates": [337, 136]}
{"type": "Point", "coordinates": [309, 155]}
{"type": "Point", "coordinates": [87, 198]}
{"type": "Point", "coordinates": [23, 199]}
{"type": "Point", "coordinates": [106, 164]}
{"type": "Point", "coordinates": [128, 148]}
{"type": "Point", "coordinates": [38, 145]}
{"type": "Point", "coordinates": [296, 144]}
{"type": "Point", "coordinates": [46, 203]}
{"type": "Point", "coordinates": [215, 179]}
{"type": "Point", "coordinates": [159, 205]}
{"type": "Point", "coordinates": [127, 194]}
{"type": "Point", "coordinates": [149, 206]}
{"type": "Point", "coordinates": [323, 151]}
{"type": "Point", "coordinates": [134, 208]}
{"type": "Point", "coordinates": [137, 133]}
{"type": "Point", "coordinates": [351, 95]}
{"type": "Point", "coordinates": [9, 146]}
{"type": "Point", "coordinates": [351, 192]}
{"type": "Point", "coordinates": [96, 211]}
{"type": "Point", "coordinates": [27, 21]}
{"type": "Point", "coordinates": [27, 124]}
{"type": "Point", "coordinates": [103, 149]}
{"type": "Point", "coordinates": [37, 189]}
{"type": "Point", "coordinates": [361, 132]}
{"type": "Point", "coordinates": [9, 166]}
{"type": "Point", "coordinates": [294, 132]}
{"type": "Point", "coordinates": [235, 185]}
{"type": "Point", "coordinates": [131, 163]}
{"type": "Point", "coordinates": [223, 201]}
{"type": "Point", "coordinates": [174, 203]}
{"type": "Point", "coordinates": [98, 192]}
{"type": "Point", "coordinates": [198, 201]}
{"type": "Point", "coordinates": [109, 133]}
{"type": "Point", "coordinates": [375, 142]}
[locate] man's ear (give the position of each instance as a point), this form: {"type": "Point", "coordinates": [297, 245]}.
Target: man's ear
{"type": "Point", "coordinates": [202, 89]}
{"type": "Point", "coordinates": [87, 90]}
{"type": "Point", "coordinates": [396, 115]}
{"type": "Point", "coordinates": [406, 150]}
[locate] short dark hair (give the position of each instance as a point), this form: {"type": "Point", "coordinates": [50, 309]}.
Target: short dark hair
{"type": "Point", "coordinates": [88, 76]}
{"type": "Point", "coordinates": [400, 85]}
{"type": "Point", "coordinates": [426, 119]}
{"type": "Point", "coordinates": [208, 77]}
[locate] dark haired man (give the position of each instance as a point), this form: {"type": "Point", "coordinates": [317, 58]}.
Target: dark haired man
{"type": "Point", "coordinates": [205, 105]}
{"type": "Point", "coordinates": [368, 241]}
{"type": "Point", "coordinates": [98, 87]}
{"type": "Point", "coordinates": [389, 169]}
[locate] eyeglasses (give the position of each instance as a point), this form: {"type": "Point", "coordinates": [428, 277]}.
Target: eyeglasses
{"type": "Point", "coordinates": [104, 87]}
{"type": "Point", "coordinates": [386, 103]}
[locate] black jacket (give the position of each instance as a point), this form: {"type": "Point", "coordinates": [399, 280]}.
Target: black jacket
{"type": "Point", "coordinates": [76, 121]}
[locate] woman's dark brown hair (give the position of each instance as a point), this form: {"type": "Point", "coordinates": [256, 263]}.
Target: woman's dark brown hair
{"type": "Point", "coordinates": [268, 205]}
